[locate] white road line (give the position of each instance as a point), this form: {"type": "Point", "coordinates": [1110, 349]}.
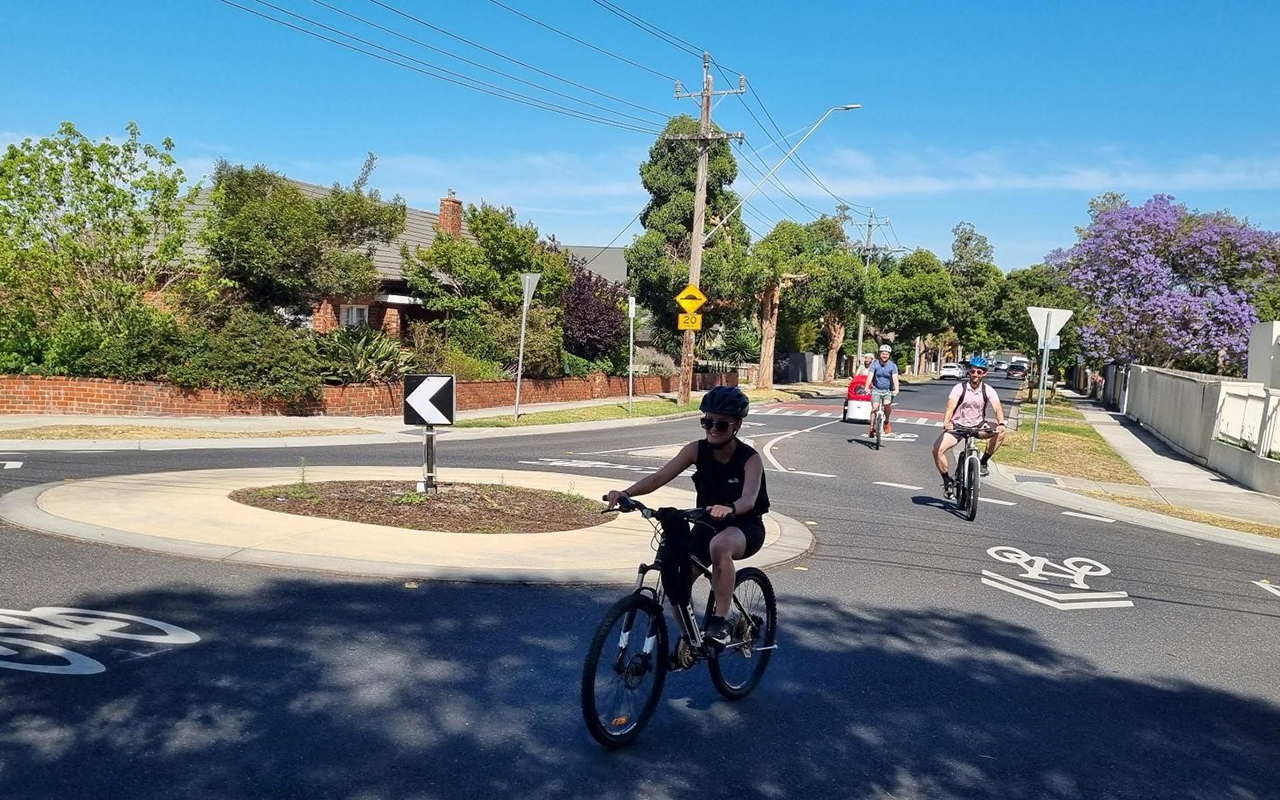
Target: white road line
{"type": "Point", "coordinates": [1087, 516]}
{"type": "Point", "coordinates": [826, 415]}
{"type": "Point", "coordinates": [789, 413]}
{"type": "Point", "coordinates": [898, 485]}
{"type": "Point", "coordinates": [768, 448]}
{"type": "Point", "coordinates": [772, 411]}
{"type": "Point", "coordinates": [997, 502]}
{"type": "Point", "coordinates": [809, 413]}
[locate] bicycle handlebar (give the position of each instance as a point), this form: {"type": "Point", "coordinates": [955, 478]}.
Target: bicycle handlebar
{"type": "Point", "coordinates": [627, 504]}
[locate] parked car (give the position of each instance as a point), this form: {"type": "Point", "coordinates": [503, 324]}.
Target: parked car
{"type": "Point", "coordinates": [1016, 371]}
{"type": "Point", "coordinates": [1002, 365]}
{"type": "Point", "coordinates": [857, 404]}
{"type": "Point", "coordinates": [951, 370]}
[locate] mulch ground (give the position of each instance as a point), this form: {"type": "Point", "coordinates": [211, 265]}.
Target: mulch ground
{"type": "Point", "coordinates": [456, 508]}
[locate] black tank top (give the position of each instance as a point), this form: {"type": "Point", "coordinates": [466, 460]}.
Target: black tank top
{"type": "Point", "coordinates": [721, 484]}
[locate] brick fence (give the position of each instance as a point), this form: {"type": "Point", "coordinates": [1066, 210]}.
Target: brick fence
{"type": "Point", "coordinates": [29, 394]}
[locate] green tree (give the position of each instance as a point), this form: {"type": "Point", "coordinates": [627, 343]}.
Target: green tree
{"type": "Point", "coordinates": [86, 227]}
{"type": "Point", "coordinates": [477, 287]}
{"type": "Point", "coordinates": [270, 246]}
{"type": "Point", "coordinates": [916, 299]}
{"type": "Point", "coordinates": [658, 260]}
{"type": "Point", "coordinates": [1045, 287]}
{"type": "Point", "coordinates": [780, 258]}
{"type": "Point", "coordinates": [977, 282]}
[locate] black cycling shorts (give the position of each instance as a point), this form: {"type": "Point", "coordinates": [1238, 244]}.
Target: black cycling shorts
{"type": "Point", "coordinates": [752, 527]}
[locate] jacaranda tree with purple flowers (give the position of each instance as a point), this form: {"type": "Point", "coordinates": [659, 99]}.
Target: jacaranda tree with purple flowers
{"type": "Point", "coordinates": [1170, 287]}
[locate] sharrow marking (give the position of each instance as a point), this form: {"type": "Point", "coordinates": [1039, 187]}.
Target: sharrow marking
{"type": "Point", "coordinates": [1087, 516]}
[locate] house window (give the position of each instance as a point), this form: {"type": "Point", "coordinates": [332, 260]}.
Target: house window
{"type": "Point", "coordinates": [355, 316]}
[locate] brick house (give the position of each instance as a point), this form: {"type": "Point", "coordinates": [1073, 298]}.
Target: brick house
{"type": "Point", "coordinates": [392, 308]}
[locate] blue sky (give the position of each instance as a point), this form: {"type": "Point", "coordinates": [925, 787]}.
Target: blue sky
{"type": "Point", "coordinates": [1009, 115]}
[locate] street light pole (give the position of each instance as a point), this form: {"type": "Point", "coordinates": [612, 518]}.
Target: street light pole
{"type": "Point", "coordinates": [776, 167]}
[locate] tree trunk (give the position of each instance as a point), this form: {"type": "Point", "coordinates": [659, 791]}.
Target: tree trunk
{"type": "Point", "coordinates": [770, 301]}
{"type": "Point", "coordinates": [835, 338]}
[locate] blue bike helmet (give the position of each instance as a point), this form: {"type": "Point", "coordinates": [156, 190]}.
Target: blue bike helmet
{"type": "Point", "coordinates": [728, 400]}
{"type": "Point", "coordinates": [979, 362]}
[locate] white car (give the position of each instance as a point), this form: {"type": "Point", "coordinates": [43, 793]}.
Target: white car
{"type": "Point", "coordinates": [950, 370]}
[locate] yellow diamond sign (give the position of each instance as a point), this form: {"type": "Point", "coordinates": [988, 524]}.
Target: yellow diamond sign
{"type": "Point", "coordinates": [691, 299]}
{"type": "Point", "coordinates": [690, 322]}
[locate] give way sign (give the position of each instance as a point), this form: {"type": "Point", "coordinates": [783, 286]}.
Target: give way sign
{"type": "Point", "coordinates": [429, 399]}
{"type": "Point", "coordinates": [1048, 322]}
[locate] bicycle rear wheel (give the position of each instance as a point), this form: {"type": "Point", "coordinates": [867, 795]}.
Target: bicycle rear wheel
{"type": "Point", "coordinates": [753, 621]}
{"type": "Point", "coordinates": [970, 505]}
{"type": "Point", "coordinates": [624, 672]}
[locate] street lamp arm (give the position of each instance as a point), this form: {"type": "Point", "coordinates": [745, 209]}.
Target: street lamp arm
{"type": "Point", "coordinates": [776, 167]}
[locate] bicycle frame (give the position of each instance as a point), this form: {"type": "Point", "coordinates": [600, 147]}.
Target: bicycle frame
{"type": "Point", "coordinates": [683, 613]}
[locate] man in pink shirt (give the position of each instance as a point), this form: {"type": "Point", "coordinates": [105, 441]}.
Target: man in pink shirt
{"type": "Point", "coordinates": [967, 407]}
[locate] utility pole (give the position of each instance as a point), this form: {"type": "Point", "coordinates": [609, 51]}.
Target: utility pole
{"type": "Point", "coordinates": [866, 267]}
{"type": "Point", "coordinates": [704, 137]}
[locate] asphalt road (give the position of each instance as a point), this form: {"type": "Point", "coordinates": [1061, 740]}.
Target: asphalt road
{"type": "Point", "coordinates": [900, 673]}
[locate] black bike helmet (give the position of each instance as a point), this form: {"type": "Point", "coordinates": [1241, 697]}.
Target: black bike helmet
{"type": "Point", "coordinates": [728, 400]}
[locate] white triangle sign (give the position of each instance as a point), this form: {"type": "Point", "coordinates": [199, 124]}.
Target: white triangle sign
{"type": "Point", "coordinates": [420, 400]}
{"type": "Point", "coordinates": [1048, 321]}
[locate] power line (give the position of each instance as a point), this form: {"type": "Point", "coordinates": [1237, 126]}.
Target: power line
{"type": "Point", "coordinates": [432, 71]}
{"type": "Point", "coordinates": [653, 30]}
{"type": "Point", "coordinates": [614, 239]}
{"type": "Point", "coordinates": [755, 170]}
{"type": "Point", "coordinates": [505, 57]}
{"type": "Point", "coordinates": [895, 233]}
{"type": "Point", "coordinates": [486, 68]}
{"type": "Point", "coordinates": [570, 36]}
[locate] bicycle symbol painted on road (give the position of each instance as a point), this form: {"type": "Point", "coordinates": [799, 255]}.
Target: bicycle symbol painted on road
{"type": "Point", "coordinates": [1038, 568]}
{"type": "Point", "coordinates": [74, 625]}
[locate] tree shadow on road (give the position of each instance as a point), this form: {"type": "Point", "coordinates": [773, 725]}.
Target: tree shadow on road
{"type": "Point", "coordinates": [321, 688]}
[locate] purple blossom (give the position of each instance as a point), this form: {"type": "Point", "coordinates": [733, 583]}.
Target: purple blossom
{"type": "Point", "coordinates": [1168, 286]}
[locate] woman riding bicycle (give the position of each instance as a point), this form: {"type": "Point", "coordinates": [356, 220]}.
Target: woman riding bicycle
{"type": "Point", "coordinates": [730, 485]}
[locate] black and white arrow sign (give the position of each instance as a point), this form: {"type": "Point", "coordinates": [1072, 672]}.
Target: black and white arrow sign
{"type": "Point", "coordinates": [428, 399]}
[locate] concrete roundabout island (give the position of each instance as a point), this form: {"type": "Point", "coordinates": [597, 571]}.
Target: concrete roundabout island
{"type": "Point", "coordinates": [190, 513]}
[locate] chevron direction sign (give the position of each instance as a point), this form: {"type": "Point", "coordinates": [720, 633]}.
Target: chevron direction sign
{"type": "Point", "coordinates": [429, 399]}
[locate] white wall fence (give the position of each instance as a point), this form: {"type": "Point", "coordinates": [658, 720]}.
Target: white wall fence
{"type": "Point", "coordinates": [1231, 426]}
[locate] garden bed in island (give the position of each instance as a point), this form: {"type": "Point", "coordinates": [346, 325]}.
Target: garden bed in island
{"type": "Point", "coordinates": [455, 508]}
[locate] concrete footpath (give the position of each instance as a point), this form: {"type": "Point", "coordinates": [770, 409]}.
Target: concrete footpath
{"type": "Point", "coordinates": [1170, 479]}
{"type": "Point", "coordinates": [190, 514]}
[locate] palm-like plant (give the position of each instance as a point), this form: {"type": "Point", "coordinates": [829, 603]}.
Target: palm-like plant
{"type": "Point", "coordinates": [362, 355]}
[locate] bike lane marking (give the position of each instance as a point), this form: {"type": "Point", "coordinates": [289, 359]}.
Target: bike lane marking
{"type": "Point", "coordinates": [1038, 568]}
{"type": "Point", "coordinates": [1078, 515]}
{"type": "Point", "coordinates": [1268, 587]}
{"type": "Point", "coordinates": [898, 485]}
{"type": "Point", "coordinates": [76, 625]}
{"type": "Point", "coordinates": [768, 448]}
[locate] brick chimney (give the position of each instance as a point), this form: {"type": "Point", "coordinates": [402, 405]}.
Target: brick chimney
{"type": "Point", "coordinates": [451, 214]}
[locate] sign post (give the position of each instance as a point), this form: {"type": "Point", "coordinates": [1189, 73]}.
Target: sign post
{"type": "Point", "coordinates": [429, 400]}
{"type": "Point", "coordinates": [631, 358]}
{"type": "Point", "coordinates": [1048, 322]}
{"type": "Point", "coordinates": [529, 280]}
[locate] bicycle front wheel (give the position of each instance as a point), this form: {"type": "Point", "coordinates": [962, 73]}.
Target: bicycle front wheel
{"type": "Point", "coordinates": [971, 495]}
{"type": "Point", "coordinates": [753, 622]}
{"type": "Point", "coordinates": [624, 672]}
{"type": "Point", "coordinates": [879, 428]}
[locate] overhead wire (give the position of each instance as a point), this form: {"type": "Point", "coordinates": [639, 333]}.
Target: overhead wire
{"type": "Point", "coordinates": [584, 43]}
{"type": "Point", "coordinates": [651, 29]}
{"type": "Point", "coordinates": [485, 67]}
{"type": "Point", "coordinates": [435, 72]}
{"type": "Point", "coordinates": [625, 228]}
{"type": "Point", "coordinates": [505, 57]}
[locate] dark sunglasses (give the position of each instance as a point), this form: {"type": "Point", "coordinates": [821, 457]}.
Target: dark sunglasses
{"type": "Point", "coordinates": [978, 371]}
{"type": "Point", "coordinates": [718, 425]}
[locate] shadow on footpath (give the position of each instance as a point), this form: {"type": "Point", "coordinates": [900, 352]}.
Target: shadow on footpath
{"type": "Point", "coordinates": [313, 688]}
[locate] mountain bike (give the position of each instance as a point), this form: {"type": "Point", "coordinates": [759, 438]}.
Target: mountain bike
{"type": "Point", "coordinates": [877, 422]}
{"type": "Point", "coordinates": [630, 654]}
{"type": "Point", "coordinates": [968, 471]}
